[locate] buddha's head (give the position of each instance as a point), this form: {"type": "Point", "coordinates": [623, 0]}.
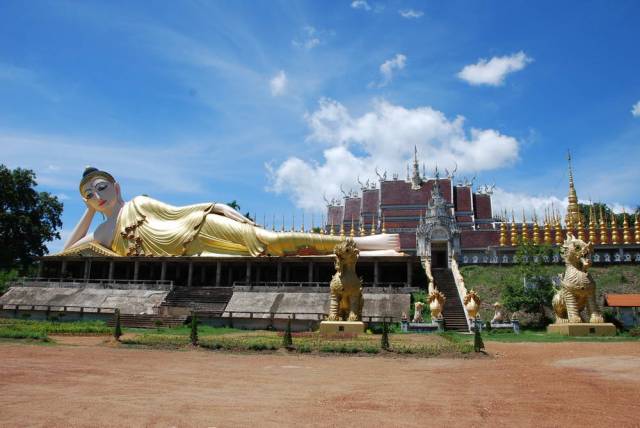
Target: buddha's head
{"type": "Point", "coordinates": [100, 190]}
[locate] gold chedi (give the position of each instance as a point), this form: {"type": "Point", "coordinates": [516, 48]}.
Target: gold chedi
{"type": "Point", "coordinates": [604, 236]}
{"type": "Point", "coordinates": [524, 230]}
{"type": "Point", "coordinates": [514, 231]}
{"type": "Point", "coordinates": [614, 230]}
{"type": "Point", "coordinates": [626, 232]}
{"type": "Point", "coordinates": [636, 231]}
{"type": "Point", "coordinates": [593, 236]}
{"type": "Point", "coordinates": [547, 232]}
{"type": "Point", "coordinates": [503, 234]}
{"type": "Point", "coordinates": [536, 230]}
{"type": "Point", "coordinates": [558, 232]}
{"type": "Point", "coordinates": [581, 234]}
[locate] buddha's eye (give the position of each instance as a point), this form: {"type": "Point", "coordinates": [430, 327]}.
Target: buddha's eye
{"type": "Point", "coordinates": [101, 186]}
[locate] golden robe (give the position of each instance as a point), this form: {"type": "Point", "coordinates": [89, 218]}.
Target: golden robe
{"type": "Point", "coordinates": [149, 227]}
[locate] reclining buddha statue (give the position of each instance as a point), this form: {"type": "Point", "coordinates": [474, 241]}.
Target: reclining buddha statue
{"type": "Point", "coordinates": [146, 227]}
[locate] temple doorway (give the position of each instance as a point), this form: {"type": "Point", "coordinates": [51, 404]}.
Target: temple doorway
{"type": "Point", "coordinates": [439, 251]}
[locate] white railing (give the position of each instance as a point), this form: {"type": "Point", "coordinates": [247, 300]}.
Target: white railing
{"type": "Point", "coordinates": [426, 265]}
{"type": "Point", "coordinates": [462, 290]}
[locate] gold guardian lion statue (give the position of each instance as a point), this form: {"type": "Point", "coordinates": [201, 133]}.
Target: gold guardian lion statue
{"type": "Point", "coordinates": [578, 289]}
{"type": "Point", "coordinates": [346, 287]}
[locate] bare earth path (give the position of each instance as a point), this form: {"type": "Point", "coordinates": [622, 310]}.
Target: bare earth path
{"type": "Point", "coordinates": [90, 384]}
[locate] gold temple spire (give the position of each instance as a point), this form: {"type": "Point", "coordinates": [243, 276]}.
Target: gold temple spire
{"type": "Point", "coordinates": [352, 231]}
{"type": "Point", "coordinates": [372, 231]}
{"type": "Point", "coordinates": [524, 230]}
{"type": "Point", "coordinates": [614, 230]}
{"type": "Point", "coordinates": [503, 234]}
{"type": "Point", "coordinates": [636, 231]}
{"type": "Point", "coordinates": [514, 230]}
{"type": "Point", "coordinates": [581, 234]}
{"type": "Point", "coordinates": [593, 236]}
{"type": "Point", "coordinates": [626, 232]}
{"type": "Point", "coordinates": [604, 236]}
{"type": "Point", "coordinates": [536, 229]}
{"type": "Point", "coordinates": [558, 230]}
{"type": "Point", "coordinates": [573, 210]}
{"type": "Point", "coordinates": [384, 226]}
{"type": "Point", "coordinates": [547, 229]}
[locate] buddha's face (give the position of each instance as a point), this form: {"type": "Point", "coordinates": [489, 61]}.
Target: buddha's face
{"type": "Point", "coordinates": [101, 194]}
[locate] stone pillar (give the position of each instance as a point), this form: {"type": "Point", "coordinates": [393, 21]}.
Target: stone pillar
{"type": "Point", "coordinates": [376, 273]}
{"type": "Point", "coordinates": [63, 268]}
{"type": "Point", "coordinates": [409, 273]}
{"type": "Point", "coordinates": [247, 275]}
{"type": "Point", "coordinates": [203, 273]}
{"type": "Point", "coordinates": [40, 267]}
{"type": "Point", "coordinates": [163, 271]}
{"type": "Point", "coordinates": [136, 270]}
{"type": "Point", "coordinates": [279, 274]}
{"type": "Point", "coordinates": [112, 266]}
{"type": "Point", "coordinates": [190, 275]}
{"type": "Point", "coordinates": [87, 269]}
{"type": "Point", "coordinates": [218, 273]}
{"type": "Point", "coordinates": [310, 275]}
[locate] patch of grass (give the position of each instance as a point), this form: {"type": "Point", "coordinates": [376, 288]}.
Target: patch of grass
{"type": "Point", "coordinates": [203, 330]}
{"type": "Point", "coordinates": [8, 333]}
{"type": "Point", "coordinates": [54, 327]}
{"type": "Point", "coordinates": [157, 340]}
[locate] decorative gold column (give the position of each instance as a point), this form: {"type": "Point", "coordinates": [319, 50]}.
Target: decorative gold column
{"type": "Point", "coordinates": [614, 230]}
{"type": "Point", "coordinates": [604, 236]}
{"type": "Point", "coordinates": [626, 232]}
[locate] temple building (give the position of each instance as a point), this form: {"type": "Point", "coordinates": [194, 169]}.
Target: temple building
{"type": "Point", "coordinates": [440, 214]}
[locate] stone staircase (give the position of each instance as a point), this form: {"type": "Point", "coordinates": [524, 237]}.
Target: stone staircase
{"type": "Point", "coordinates": [148, 321]}
{"type": "Point", "coordinates": [453, 312]}
{"type": "Point", "coordinates": [200, 299]}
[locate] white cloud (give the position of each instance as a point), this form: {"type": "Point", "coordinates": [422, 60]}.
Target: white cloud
{"type": "Point", "coordinates": [516, 202]}
{"type": "Point", "coordinates": [278, 84]}
{"type": "Point", "coordinates": [493, 72]}
{"type": "Point", "coordinates": [309, 38]}
{"type": "Point", "coordinates": [410, 13]}
{"type": "Point", "coordinates": [360, 4]}
{"type": "Point", "coordinates": [384, 137]}
{"type": "Point", "coordinates": [635, 111]}
{"type": "Point", "coordinates": [389, 66]}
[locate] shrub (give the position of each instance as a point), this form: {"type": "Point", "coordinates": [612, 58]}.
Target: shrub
{"type": "Point", "coordinates": [117, 330]}
{"type": "Point", "coordinates": [534, 321]}
{"type": "Point", "coordinates": [287, 340]}
{"type": "Point", "coordinates": [635, 332]}
{"type": "Point", "coordinates": [194, 329]}
{"type": "Point", "coordinates": [384, 340]}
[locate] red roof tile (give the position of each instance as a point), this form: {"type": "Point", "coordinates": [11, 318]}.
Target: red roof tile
{"type": "Point", "coordinates": [620, 300]}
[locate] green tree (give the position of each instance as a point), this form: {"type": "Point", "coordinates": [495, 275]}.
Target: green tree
{"type": "Point", "coordinates": [28, 218]}
{"type": "Point", "coordinates": [585, 210]}
{"type": "Point", "coordinates": [532, 291]}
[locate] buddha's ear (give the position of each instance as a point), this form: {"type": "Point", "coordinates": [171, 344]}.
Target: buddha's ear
{"type": "Point", "coordinates": [117, 186]}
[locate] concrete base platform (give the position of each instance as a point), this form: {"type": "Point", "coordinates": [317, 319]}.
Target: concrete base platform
{"type": "Point", "coordinates": [583, 329]}
{"type": "Point", "coordinates": [337, 327]}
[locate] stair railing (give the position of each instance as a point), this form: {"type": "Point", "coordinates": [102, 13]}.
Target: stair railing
{"type": "Point", "coordinates": [462, 289]}
{"type": "Point", "coordinates": [426, 265]}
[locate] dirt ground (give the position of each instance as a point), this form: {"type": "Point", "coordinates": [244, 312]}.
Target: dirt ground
{"type": "Point", "coordinates": [87, 382]}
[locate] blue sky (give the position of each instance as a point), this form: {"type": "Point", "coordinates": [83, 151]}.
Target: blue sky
{"type": "Point", "coordinates": [276, 103]}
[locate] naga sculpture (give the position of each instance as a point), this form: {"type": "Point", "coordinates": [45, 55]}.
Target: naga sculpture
{"type": "Point", "coordinates": [577, 292]}
{"type": "Point", "coordinates": [346, 287]}
{"type": "Point", "coordinates": [147, 227]}
{"type": "Point", "coordinates": [418, 307]}
{"type": "Point", "coordinates": [436, 303]}
{"type": "Point", "coordinates": [472, 303]}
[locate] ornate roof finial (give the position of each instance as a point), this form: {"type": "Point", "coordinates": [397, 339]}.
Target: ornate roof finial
{"type": "Point", "coordinates": [384, 228]}
{"type": "Point", "coordinates": [416, 181]}
{"type": "Point", "coordinates": [604, 236]}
